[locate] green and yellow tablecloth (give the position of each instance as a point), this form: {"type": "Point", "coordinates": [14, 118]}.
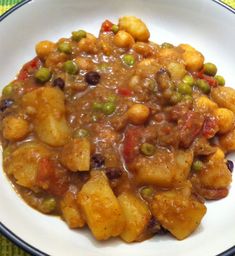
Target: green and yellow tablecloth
{"type": "Point", "coordinates": [6, 247]}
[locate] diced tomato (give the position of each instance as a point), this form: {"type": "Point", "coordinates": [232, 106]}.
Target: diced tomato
{"type": "Point", "coordinates": [210, 127]}
{"type": "Point", "coordinates": [124, 91]}
{"type": "Point", "coordinates": [190, 126]}
{"type": "Point", "coordinates": [131, 143]}
{"type": "Point", "coordinates": [210, 80]}
{"type": "Point", "coordinates": [45, 170]}
{"type": "Point", "coordinates": [28, 68]}
{"type": "Point", "coordinates": [214, 194]}
{"type": "Point", "coordinates": [106, 26]}
{"type": "Point", "coordinates": [50, 178]}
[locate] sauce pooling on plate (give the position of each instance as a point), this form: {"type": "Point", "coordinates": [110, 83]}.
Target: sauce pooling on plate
{"type": "Point", "coordinates": [119, 133]}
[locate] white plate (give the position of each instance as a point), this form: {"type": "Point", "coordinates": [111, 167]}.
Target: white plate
{"type": "Point", "coordinates": [202, 23]}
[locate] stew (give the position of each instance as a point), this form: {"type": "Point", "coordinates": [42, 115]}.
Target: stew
{"type": "Point", "coordinates": [119, 133]}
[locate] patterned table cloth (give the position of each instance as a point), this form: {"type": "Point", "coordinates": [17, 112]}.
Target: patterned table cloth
{"type": "Point", "coordinates": [7, 248]}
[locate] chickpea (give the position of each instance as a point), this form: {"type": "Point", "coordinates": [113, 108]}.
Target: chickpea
{"type": "Point", "coordinates": [177, 70]}
{"type": "Point", "coordinates": [88, 44]}
{"type": "Point", "coordinates": [55, 59]}
{"type": "Point", "coordinates": [123, 39]}
{"type": "Point", "coordinates": [192, 58]}
{"type": "Point", "coordinates": [44, 48]}
{"type": "Point", "coordinates": [227, 141]}
{"type": "Point", "coordinates": [84, 63]}
{"type": "Point", "coordinates": [203, 104]}
{"type": "Point", "coordinates": [147, 67]}
{"type": "Point", "coordinates": [135, 27]}
{"type": "Point", "coordinates": [167, 55]}
{"type": "Point", "coordinates": [143, 48]}
{"type": "Point", "coordinates": [225, 119]}
{"type": "Point", "coordinates": [15, 128]}
{"type": "Point", "coordinates": [138, 114]}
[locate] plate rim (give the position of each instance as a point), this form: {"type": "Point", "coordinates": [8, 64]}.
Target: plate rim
{"type": "Point", "coordinates": [11, 235]}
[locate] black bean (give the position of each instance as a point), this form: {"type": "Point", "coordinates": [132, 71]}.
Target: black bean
{"type": "Point", "coordinates": [113, 173]}
{"type": "Point", "coordinates": [230, 165]}
{"type": "Point", "coordinates": [6, 103]}
{"type": "Point", "coordinates": [92, 77]}
{"type": "Point", "coordinates": [154, 227]}
{"type": "Point", "coordinates": [163, 79]}
{"type": "Point", "coordinates": [59, 82]}
{"type": "Point", "coordinates": [84, 176]}
{"type": "Point", "coordinates": [97, 161]}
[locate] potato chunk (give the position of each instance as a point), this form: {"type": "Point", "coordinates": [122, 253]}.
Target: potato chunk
{"type": "Point", "coordinates": [47, 108]}
{"type": "Point", "coordinates": [177, 213]}
{"type": "Point", "coordinates": [137, 216]}
{"type": "Point", "coordinates": [76, 155]}
{"type": "Point", "coordinates": [15, 128]}
{"type": "Point", "coordinates": [100, 207]}
{"type": "Point", "coordinates": [23, 163]}
{"type": "Point", "coordinates": [224, 97]}
{"type": "Point", "coordinates": [216, 173]}
{"type": "Point", "coordinates": [135, 27]}
{"type": "Point", "coordinates": [70, 211]}
{"type": "Point", "coordinates": [164, 169]}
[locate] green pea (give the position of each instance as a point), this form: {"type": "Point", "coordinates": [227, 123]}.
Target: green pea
{"type": "Point", "coordinates": [147, 149]}
{"type": "Point", "coordinates": [188, 80]}
{"type": "Point", "coordinates": [7, 90]}
{"type": "Point", "coordinates": [185, 89]}
{"type": "Point", "coordinates": [220, 80]}
{"type": "Point", "coordinates": [80, 133]}
{"type": "Point", "coordinates": [129, 59]}
{"type": "Point", "coordinates": [6, 152]}
{"type": "Point", "coordinates": [48, 205]}
{"type": "Point", "coordinates": [188, 98]}
{"type": "Point", "coordinates": [115, 28]}
{"type": "Point", "coordinates": [70, 67]}
{"type": "Point", "coordinates": [210, 69]}
{"type": "Point", "coordinates": [167, 45]}
{"type": "Point", "coordinates": [203, 86]}
{"type": "Point", "coordinates": [78, 35]}
{"type": "Point", "coordinates": [97, 106]}
{"type": "Point", "coordinates": [103, 66]}
{"type": "Point", "coordinates": [197, 165]}
{"type": "Point", "coordinates": [109, 108]}
{"type": "Point", "coordinates": [65, 47]}
{"type": "Point", "coordinates": [147, 192]}
{"type": "Point", "coordinates": [176, 98]}
{"type": "Point", "coordinates": [43, 75]}
{"type": "Point", "coordinates": [112, 98]}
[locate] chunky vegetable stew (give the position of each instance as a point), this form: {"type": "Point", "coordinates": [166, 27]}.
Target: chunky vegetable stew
{"type": "Point", "coordinates": [118, 133]}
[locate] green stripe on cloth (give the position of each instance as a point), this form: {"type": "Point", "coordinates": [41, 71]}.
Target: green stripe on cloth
{"type": "Point", "coordinates": [9, 249]}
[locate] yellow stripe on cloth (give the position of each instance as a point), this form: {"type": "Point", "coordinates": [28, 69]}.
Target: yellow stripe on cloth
{"type": "Point", "coordinates": [4, 8]}
{"type": "Point", "coordinates": [229, 2]}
